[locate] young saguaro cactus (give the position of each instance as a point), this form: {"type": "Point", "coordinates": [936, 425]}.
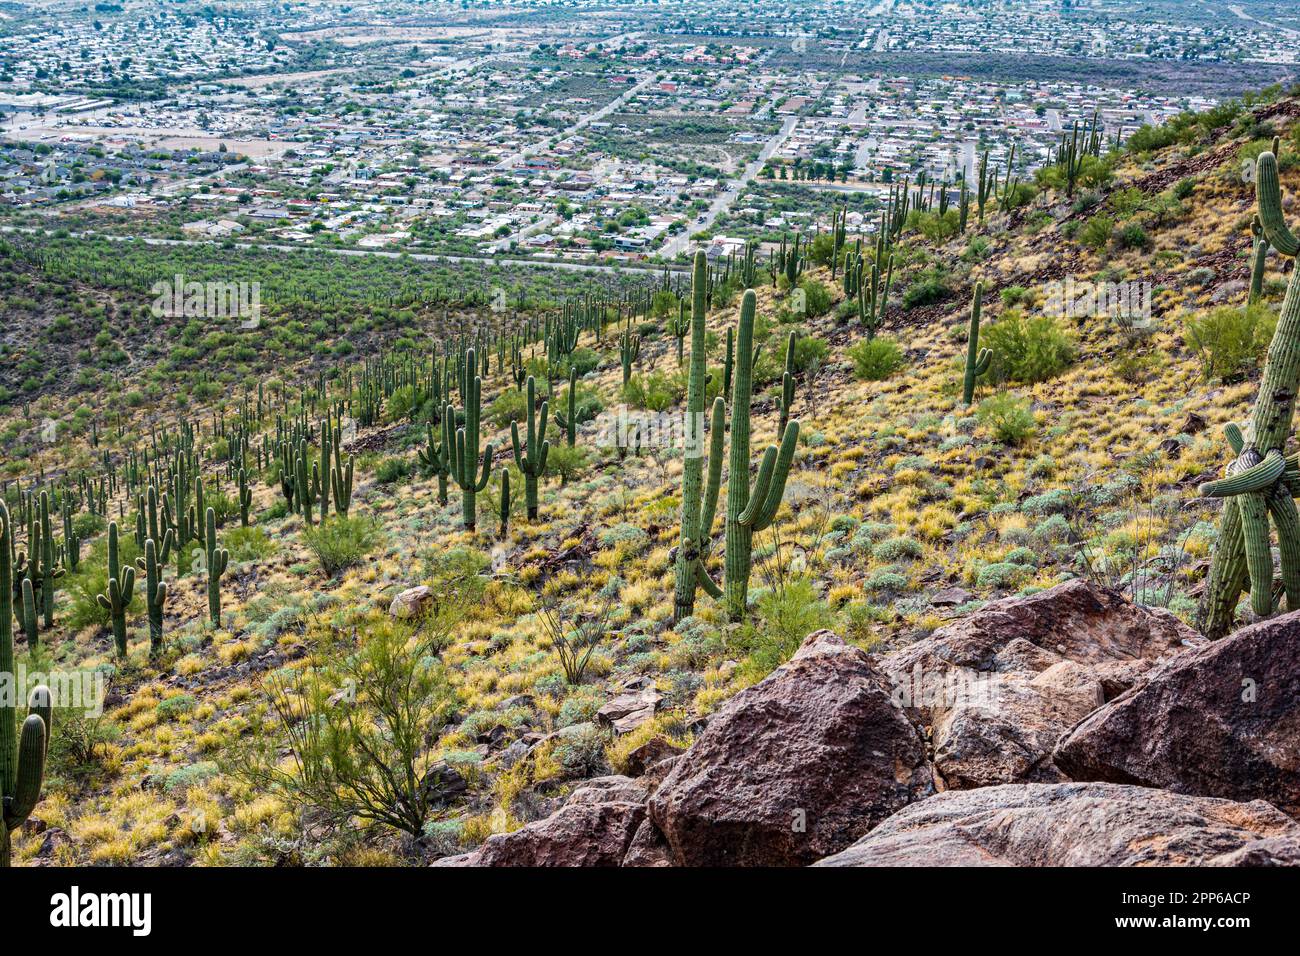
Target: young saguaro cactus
{"type": "Point", "coordinates": [117, 594]}
{"type": "Point", "coordinates": [465, 469]}
{"type": "Point", "coordinates": [787, 385]}
{"type": "Point", "coordinates": [977, 359]}
{"type": "Point", "coordinates": [530, 456]}
{"type": "Point", "coordinates": [22, 751]}
{"type": "Point", "coordinates": [699, 501]}
{"type": "Point", "coordinates": [245, 498]}
{"type": "Point", "coordinates": [216, 560]}
{"type": "Point", "coordinates": [1259, 484]}
{"type": "Point", "coordinates": [750, 509]}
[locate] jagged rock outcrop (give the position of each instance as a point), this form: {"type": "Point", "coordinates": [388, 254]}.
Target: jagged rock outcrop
{"type": "Point", "coordinates": [1077, 824]}
{"type": "Point", "coordinates": [1220, 720]}
{"type": "Point", "coordinates": [794, 768]}
{"type": "Point", "coordinates": [999, 686]}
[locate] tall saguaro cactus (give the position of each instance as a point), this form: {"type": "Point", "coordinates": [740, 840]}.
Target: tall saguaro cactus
{"type": "Point", "coordinates": [750, 509]}
{"type": "Point", "coordinates": [22, 752]}
{"type": "Point", "coordinates": [699, 503]}
{"type": "Point", "coordinates": [1260, 483]}
{"type": "Point", "coordinates": [465, 456]}
{"type": "Point", "coordinates": [977, 359]}
{"type": "Point", "coordinates": [117, 594]}
{"type": "Point", "coordinates": [155, 593]}
{"type": "Point", "coordinates": [216, 560]}
{"type": "Point", "coordinates": [530, 455]}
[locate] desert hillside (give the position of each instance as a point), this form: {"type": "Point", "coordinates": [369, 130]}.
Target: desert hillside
{"type": "Point", "coordinates": [340, 671]}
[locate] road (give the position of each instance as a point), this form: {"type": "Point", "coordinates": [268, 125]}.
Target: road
{"type": "Point", "coordinates": [679, 243]}
{"type": "Point", "coordinates": [1238, 11]}
{"type": "Point", "coordinates": [514, 159]}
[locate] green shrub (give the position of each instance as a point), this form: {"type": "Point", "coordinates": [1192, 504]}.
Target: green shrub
{"type": "Point", "coordinates": [817, 298]}
{"type": "Point", "coordinates": [930, 286]}
{"type": "Point", "coordinates": [1026, 350]}
{"type": "Point", "coordinates": [876, 359]}
{"type": "Point", "coordinates": [341, 542]}
{"type": "Point", "coordinates": [567, 462]}
{"type": "Point", "coordinates": [1096, 232]}
{"type": "Point", "coordinates": [1009, 418]}
{"type": "Point", "coordinates": [392, 470]}
{"type": "Point", "coordinates": [655, 392]}
{"type": "Point", "coordinates": [247, 544]}
{"type": "Point", "coordinates": [787, 615]}
{"type": "Point", "coordinates": [1231, 340]}
{"type": "Point", "coordinates": [510, 406]}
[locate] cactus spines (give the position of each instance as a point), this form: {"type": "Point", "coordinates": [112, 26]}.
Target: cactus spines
{"type": "Point", "coordinates": [118, 592]}
{"type": "Point", "coordinates": [530, 456]}
{"type": "Point", "coordinates": [1255, 489]}
{"type": "Point", "coordinates": [750, 509]}
{"type": "Point", "coordinates": [977, 359]}
{"type": "Point", "coordinates": [465, 454]}
{"type": "Point", "coordinates": [216, 560]}
{"type": "Point", "coordinates": [155, 593]}
{"type": "Point", "coordinates": [22, 753]}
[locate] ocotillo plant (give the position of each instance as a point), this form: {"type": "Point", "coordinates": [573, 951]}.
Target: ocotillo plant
{"type": "Point", "coordinates": [22, 753]}
{"type": "Point", "coordinates": [155, 592]}
{"type": "Point", "coordinates": [786, 398]}
{"type": "Point", "coordinates": [117, 594]}
{"type": "Point", "coordinates": [699, 503]}
{"type": "Point", "coordinates": [216, 560]}
{"type": "Point", "coordinates": [530, 456]}
{"type": "Point", "coordinates": [977, 359]}
{"type": "Point", "coordinates": [1256, 482]}
{"type": "Point", "coordinates": [750, 509]}
{"type": "Point", "coordinates": [465, 455]}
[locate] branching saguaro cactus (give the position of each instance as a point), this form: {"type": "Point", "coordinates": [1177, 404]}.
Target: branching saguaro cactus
{"type": "Point", "coordinates": [117, 594]}
{"type": "Point", "coordinates": [530, 455]}
{"type": "Point", "coordinates": [22, 752]}
{"type": "Point", "coordinates": [155, 593]}
{"type": "Point", "coordinates": [465, 457]}
{"type": "Point", "coordinates": [699, 503]}
{"type": "Point", "coordinates": [750, 509]}
{"type": "Point", "coordinates": [1260, 483]}
{"type": "Point", "coordinates": [977, 359]}
{"type": "Point", "coordinates": [435, 457]}
{"type": "Point", "coordinates": [629, 349]}
{"type": "Point", "coordinates": [215, 560]}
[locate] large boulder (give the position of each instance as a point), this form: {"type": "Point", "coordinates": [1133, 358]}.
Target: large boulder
{"type": "Point", "coordinates": [999, 686]}
{"type": "Point", "coordinates": [794, 768]}
{"type": "Point", "coordinates": [1077, 824]}
{"type": "Point", "coordinates": [594, 828]}
{"type": "Point", "coordinates": [1222, 720]}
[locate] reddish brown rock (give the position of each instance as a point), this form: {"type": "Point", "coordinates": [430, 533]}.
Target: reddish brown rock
{"type": "Point", "coordinates": [794, 768]}
{"type": "Point", "coordinates": [1221, 720]}
{"type": "Point", "coordinates": [1077, 824]}
{"type": "Point", "coordinates": [594, 828]}
{"type": "Point", "coordinates": [999, 686]}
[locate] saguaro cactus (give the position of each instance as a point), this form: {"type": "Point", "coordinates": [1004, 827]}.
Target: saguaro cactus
{"type": "Point", "coordinates": [977, 359]}
{"type": "Point", "coordinates": [117, 594]}
{"type": "Point", "coordinates": [699, 503]}
{"type": "Point", "coordinates": [629, 349]}
{"type": "Point", "coordinates": [750, 509]}
{"type": "Point", "coordinates": [1260, 482]}
{"type": "Point", "coordinates": [245, 498]}
{"type": "Point", "coordinates": [465, 457]}
{"type": "Point", "coordinates": [436, 458]}
{"type": "Point", "coordinates": [505, 501]}
{"type": "Point", "coordinates": [22, 752]}
{"type": "Point", "coordinates": [216, 560]}
{"type": "Point", "coordinates": [787, 385]}
{"type": "Point", "coordinates": [531, 455]}
{"type": "Point", "coordinates": [155, 593]}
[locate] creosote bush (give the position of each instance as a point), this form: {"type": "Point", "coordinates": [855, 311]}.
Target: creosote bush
{"type": "Point", "coordinates": [876, 359]}
{"type": "Point", "coordinates": [1026, 350]}
{"type": "Point", "coordinates": [1231, 340]}
{"type": "Point", "coordinates": [1010, 419]}
{"type": "Point", "coordinates": [340, 542]}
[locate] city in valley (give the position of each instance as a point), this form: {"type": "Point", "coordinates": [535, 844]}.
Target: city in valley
{"type": "Point", "coordinates": [442, 435]}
